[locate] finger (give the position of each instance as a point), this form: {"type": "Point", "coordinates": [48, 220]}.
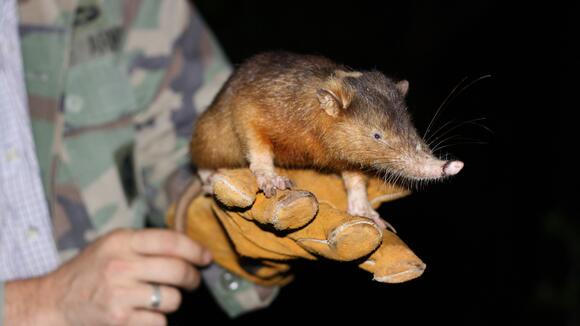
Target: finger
{"type": "Point", "coordinates": [169, 243]}
{"type": "Point", "coordinates": [147, 318]}
{"type": "Point", "coordinates": [142, 297]}
{"type": "Point", "coordinates": [166, 270]}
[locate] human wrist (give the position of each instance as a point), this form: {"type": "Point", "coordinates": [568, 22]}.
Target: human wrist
{"type": "Point", "coordinates": [30, 302]}
{"type": "Point", "coordinates": [1, 303]}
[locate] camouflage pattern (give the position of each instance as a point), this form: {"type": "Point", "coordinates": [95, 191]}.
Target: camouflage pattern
{"type": "Point", "coordinates": [235, 294]}
{"type": "Point", "coordinates": [114, 88]}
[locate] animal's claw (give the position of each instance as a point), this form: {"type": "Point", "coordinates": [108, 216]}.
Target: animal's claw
{"type": "Point", "coordinates": [362, 208]}
{"type": "Point", "coordinates": [269, 182]}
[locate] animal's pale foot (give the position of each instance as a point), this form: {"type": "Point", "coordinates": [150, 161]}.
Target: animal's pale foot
{"type": "Point", "coordinates": [383, 224]}
{"type": "Point", "coordinates": [206, 176]}
{"type": "Point", "coordinates": [360, 208]}
{"type": "Point", "coordinates": [268, 182]}
{"type": "Point", "coordinates": [207, 189]}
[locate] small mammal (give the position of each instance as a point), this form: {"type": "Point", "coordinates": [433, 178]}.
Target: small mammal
{"type": "Point", "coordinates": [306, 111]}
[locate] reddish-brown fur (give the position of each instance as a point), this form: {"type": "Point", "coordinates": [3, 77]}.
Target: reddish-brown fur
{"type": "Point", "coordinates": [281, 102]}
{"type": "Point", "coordinates": [307, 111]}
{"type": "Point", "coordinates": [284, 114]}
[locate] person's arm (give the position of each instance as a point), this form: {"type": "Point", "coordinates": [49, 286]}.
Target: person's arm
{"type": "Point", "coordinates": [1, 303]}
{"type": "Point", "coordinates": [27, 303]}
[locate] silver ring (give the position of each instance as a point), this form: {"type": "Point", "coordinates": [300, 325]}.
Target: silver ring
{"type": "Point", "coordinates": [156, 296]}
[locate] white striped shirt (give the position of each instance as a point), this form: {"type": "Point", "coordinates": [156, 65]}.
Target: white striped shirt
{"type": "Point", "coordinates": [27, 246]}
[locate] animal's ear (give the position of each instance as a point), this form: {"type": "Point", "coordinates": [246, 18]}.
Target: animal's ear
{"type": "Point", "coordinates": [334, 96]}
{"type": "Point", "coordinates": [329, 102]}
{"type": "Point", "coordinates": [403, 87]}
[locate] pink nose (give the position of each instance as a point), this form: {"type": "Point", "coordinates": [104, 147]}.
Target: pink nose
{"type": "Point", "coordinates": [452, 167]}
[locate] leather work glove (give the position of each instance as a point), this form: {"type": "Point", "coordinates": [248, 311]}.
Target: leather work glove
{"type": "Point", "coordinates": [257, 237]}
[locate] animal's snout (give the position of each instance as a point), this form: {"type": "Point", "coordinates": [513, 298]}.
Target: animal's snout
{"type": "Point", "coordinates": [452, 167]}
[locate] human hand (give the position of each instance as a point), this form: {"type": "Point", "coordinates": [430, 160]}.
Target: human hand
{"type": "Point", "coordinates": [254, 236]}
{"type": "Point", "coordinates": [110, 282]}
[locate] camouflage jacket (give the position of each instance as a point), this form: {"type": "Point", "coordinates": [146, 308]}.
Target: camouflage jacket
{"type": "Point", "coordinates": [114, 88]}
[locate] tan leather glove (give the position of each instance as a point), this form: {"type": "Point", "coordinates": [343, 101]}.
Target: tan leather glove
{"type": "Point", "coordinates": [256, 237]}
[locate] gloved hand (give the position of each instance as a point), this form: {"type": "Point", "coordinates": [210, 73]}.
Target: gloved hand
{"type": "Point", "coordinates": [256, 237]}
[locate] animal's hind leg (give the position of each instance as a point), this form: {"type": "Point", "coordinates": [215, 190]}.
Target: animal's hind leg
{"type": "Point", "coordinates": [358, 201]}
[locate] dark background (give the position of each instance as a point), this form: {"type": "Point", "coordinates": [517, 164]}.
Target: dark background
{"type": "Point", "coordinates": [502, 239]}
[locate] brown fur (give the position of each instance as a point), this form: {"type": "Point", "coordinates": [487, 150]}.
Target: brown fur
{"type": "Point", "coordinates": [309, 112]}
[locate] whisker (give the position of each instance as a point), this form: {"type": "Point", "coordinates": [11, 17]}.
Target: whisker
{"type": "Point", "coordinates": [482, 126]}
{"type": "Point", "coordinates": [464, 143]}
{"type": "Point", "coordinates": [442, 105]}
{"type": "Point", "coordinates": [472, 121]}
{"type": "Point", "coordinates": [453, 95]}
{"type": "Point", "coordinates": [437, 131]}
{"type": "Point", "coordinates": [441, 142]}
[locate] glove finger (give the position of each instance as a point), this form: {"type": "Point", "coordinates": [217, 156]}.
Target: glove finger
{"type": "Point", "coordinates": [235, 187]}
{"type": "Point", "coordinates": [250, 239]}
{"type": "Point", "coordinates": [393, 261]}
{"type": "Point", "coordinates": [288, 209]}
{"type": "Point", "coordinates": [336, 235]}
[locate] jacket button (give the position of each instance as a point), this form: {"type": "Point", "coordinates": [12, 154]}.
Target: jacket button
{"type": "Point", "coordinates": [230, 282]}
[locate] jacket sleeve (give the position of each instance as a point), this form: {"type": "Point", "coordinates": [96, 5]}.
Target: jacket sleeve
{"type": "Point", "coordinates": [235, 295]}
{"type": "Point", "coordinates": [197, 70]}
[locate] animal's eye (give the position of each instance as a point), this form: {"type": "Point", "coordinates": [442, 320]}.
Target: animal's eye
{"type": "Point", "coordinates": [377, 136]}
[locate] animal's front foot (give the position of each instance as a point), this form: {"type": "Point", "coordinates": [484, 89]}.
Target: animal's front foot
{"type": "Point", "coordinates": [363, 208]}
{"type": "Point", "coordinates": [206, 176]}
{"type": "Point", "coordinates": [268, 182]}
